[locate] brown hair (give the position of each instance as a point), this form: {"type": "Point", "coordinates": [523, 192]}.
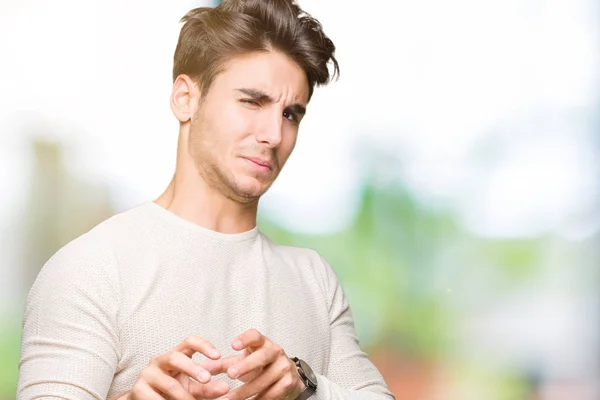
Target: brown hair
{"type": "Point", "coordinates": [212, 36]}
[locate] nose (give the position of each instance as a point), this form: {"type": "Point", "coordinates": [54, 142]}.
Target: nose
{"type": "Point", "coordinates": [271, 132]}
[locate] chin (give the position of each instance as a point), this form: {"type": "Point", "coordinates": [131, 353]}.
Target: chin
{"type": "Point", "coordinates": [250, 187]}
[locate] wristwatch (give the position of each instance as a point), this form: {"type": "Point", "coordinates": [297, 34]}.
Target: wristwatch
{"type": "Point", "coordinates": [308, 377]}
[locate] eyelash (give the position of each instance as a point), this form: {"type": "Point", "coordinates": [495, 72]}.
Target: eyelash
{"type": "Point", "coordinates": [251, 102]}
{"type": "Point", "coordinates": [293, 118]}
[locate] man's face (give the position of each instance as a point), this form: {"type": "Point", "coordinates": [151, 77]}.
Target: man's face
{"type": "Point", "coordinates": [246, 126]}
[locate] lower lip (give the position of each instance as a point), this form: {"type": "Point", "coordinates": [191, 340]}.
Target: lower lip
{"type": "Point", "coordinates": [259, 167]}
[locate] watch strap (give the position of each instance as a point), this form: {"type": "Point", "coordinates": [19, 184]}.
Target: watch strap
{"type": "Point", "coordinates": [310, 389]}
{"type": "Point", "coordinates": [306, 393]}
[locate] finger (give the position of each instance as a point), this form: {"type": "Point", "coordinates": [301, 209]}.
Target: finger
{"type": "Point", "coordinates": [249, 376]}
{"type": "Point", "coordinates": [175, 361]}
{"type": "Point", "coordinates": [257, 360]}
{"type": "Point", "coordinates": [142, 390]}
{"type": "Point", "coordinates": [282, 389]}
{"type": "Point", "coordinates": [270, 375]}
{"type": "Point", "coordinates": [210, 390]}
{"type": "Point", "coordinates": [163, 383]}
{"type": "Point", "coordinates": [220, 366]}
{"type": "Point", "coordinates": [250, 338]}
{"type": "Point", "coordinates": [197, 344]}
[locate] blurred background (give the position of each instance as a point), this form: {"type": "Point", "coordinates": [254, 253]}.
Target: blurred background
{"type": "Point", "coordinates": [450, 177]}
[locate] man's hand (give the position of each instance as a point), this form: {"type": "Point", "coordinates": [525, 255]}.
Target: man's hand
{"type": "Point", "coordinates": [175, 376]}
{"type": "Point", "coordinates": [265, 369]}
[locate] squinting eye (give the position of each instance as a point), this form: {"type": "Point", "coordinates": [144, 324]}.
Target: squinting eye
{"type": "Point", "coordinates": [290, 116]}
{"type": "Point", "coordinates": [251, 102]}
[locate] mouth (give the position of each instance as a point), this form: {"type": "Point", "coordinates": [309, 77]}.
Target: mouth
{"type": "Point", "coordinates": [260, 164]}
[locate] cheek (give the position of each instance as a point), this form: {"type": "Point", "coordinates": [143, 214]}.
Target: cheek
{"type": "Point", "coordinates": [237, 123]}
{"type": "Point", "coordinates": [226, 129]}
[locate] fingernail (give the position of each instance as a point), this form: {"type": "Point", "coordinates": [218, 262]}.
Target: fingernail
{"type": "Point", "coordinates": [237, 343]}
{"type": "Point", "coordinates": [204, 376]}
{"type": "Point", "coordinates": [214, 353]}
{"type": "Point", "coordinates": [234, 372]}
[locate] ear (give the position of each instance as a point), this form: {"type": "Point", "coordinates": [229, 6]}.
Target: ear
{"type": "Point", "coordinates": [185, 98]}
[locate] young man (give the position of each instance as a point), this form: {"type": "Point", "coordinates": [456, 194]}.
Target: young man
{"type": "Point", "coordinates": [182, 297]}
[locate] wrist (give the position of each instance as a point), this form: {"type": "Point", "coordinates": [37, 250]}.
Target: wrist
{"type": "Point", "coordinates": [300, 386]}
{"type": "Point", "coordinates": [308, 379]}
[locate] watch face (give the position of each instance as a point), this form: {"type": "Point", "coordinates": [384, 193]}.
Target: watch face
{"type": "Point", "coordinates": [308, 372]}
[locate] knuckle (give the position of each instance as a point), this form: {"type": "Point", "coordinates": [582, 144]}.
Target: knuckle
{"type": "Point", "coordinates": [136, 390]}
{"type": "Point", "coordinates": [172, 357]}
{"type": "Point", "coordinates": [255, 334]}
{"type": "Point", "coordinates": [198, 339]}
{"type": "Point", "coordinates": [145, 375]}
{"type": "Point", "coordinates": [286, 368]}
{"type": "Point", "coordinates": [287, 382]}
{"type": "Point", "coordinates": [265, 358]}
{"type": "Point", "coordinates": [194, 342]}
{"type": "Point", "coordinates": [170, 385]}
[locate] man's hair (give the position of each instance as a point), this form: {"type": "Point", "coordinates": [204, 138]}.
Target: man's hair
{"type": "Point", "coordinates": [212, 36]}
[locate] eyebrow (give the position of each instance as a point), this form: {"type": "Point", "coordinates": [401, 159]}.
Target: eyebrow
{"type": "Point", "coordinates": [261, 96]}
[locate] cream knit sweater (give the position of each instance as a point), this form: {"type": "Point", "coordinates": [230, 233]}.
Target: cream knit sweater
{"type": "Point", "coordinates": [139, 283]}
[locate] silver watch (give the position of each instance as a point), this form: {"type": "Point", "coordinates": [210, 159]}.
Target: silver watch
{"type": "Point", "coordinates": [308, 377]}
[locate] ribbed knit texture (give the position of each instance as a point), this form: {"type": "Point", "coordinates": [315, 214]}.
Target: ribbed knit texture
{"type": "Point", "coordinates": [142, 281]}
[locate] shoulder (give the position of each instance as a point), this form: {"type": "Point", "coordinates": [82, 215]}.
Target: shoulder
{"type": "Point", "coordinates": [91, 256]}
{"type": "Point", "coordinates": [306, 258]}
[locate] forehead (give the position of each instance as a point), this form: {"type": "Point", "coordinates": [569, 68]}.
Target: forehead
{"type": "Point", "coordinates": [272, 72]}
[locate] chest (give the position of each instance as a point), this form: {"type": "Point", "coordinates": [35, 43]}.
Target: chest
{"type": "Point", "coordinates": [218, 303]}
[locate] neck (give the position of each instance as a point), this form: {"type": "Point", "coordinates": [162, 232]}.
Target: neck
{"type": "Point", "coordinates": [191, 197]}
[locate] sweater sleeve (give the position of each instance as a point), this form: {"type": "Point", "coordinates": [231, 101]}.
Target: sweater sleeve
{"type": "Point", "coordinates": [69, 347]}
{"type": "Point", "coordinates": [350, 374]}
